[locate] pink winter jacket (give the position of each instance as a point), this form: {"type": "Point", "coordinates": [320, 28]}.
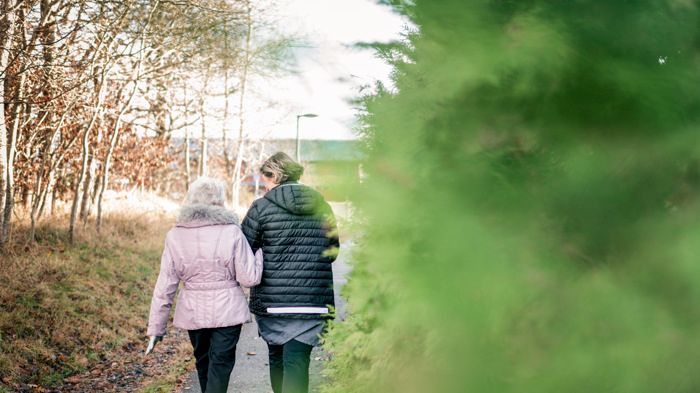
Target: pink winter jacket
{"type": "Point", "coordinates": [207, 251]}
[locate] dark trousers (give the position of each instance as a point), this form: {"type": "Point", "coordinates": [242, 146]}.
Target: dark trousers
{"type": "Point", "coordinates": [215, 354]}
{"type": "Point", "coordinates": [289, 367]}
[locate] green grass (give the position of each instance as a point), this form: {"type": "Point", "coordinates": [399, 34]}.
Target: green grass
{"type": "Point", "coordinates": [65, 308]}
{"type": "Point", "coordinates": [167, 382]}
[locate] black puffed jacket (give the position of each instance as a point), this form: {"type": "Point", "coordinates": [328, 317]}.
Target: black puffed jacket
{"type": "Point", "coordinates": [296, 230]}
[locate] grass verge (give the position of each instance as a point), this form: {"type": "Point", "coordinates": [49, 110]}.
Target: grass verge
{"type": "Point", "coordinates": [73, 317]}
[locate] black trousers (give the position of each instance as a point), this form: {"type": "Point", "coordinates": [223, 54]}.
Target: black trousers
{"type": "Point", "coordinates": [289, 367]}
{"type": "Point", "coordinates": [215, 354]}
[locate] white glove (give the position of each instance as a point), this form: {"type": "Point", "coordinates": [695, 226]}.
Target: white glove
{"type": "Point", "coordinates": [152, 343]}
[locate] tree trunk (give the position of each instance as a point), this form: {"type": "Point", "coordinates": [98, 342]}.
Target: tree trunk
{"type": "Point", "coordinates": [261, 155]}
{"type": "Point", "coordinates": [44, 195]}
{"type": "Point", "coordinates": [40, 189]}
{"type": "Point", "coordinates": [224, 128]}
{"type": "Point", "coordinates": [188, 170]}
{"type": "Point", "coordinates": [11, 153]}
{"type": "Point", "coordinates": [241, 112]}
{"type": "Point", "coordinates": [95, 191]}
{"type": "Point", "coordinates": [90, 181]}
{"type": "Point", "coordinates": [47, 35]}
{"type": "Point", "coordinates": [78, 184]}
{"type": "Point", "coordinates": [105, 175]}
{"type": "Point", "coordinates": [54, 193]}
{"type": "Point", "coordinates": [85, 151]}
{"type": "Point", "coordinates": [87, 187]}
{"type": "Point", "coordinates": [53, 162]}
{"type": "Point", "coordinates": [203, 138]}
{"type": "Point", "coordinates": [7, 29]}
{"type": "Point", "coordinates": [203, 145]}
{"type": "Point", "coordinates": [113, 139]}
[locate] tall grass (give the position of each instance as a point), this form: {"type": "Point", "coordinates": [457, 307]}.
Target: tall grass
{"type": "Point", "coordinates": [69, 309]}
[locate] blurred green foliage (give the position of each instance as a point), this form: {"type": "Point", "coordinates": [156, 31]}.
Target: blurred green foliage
{"type": "Point", "coordinates": [531, 205]}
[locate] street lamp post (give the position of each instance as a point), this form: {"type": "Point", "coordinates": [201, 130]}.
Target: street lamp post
{"type": "Point", "coordinates": [298, 144]}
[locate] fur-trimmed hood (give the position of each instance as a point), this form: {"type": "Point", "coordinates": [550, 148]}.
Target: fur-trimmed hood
{"type": "Point", "coordinates": [201, 215]}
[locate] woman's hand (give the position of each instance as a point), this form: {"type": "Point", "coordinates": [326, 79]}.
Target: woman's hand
{"type": "Point", "coordinates": [152, 343]}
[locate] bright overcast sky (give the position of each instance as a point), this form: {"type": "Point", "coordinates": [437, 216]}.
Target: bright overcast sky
{"type": "Point", "coordinates": [330, 71]}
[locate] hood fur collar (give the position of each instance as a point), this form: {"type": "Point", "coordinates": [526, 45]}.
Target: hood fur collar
{"type": "Point", "coordinates": [207, 215]}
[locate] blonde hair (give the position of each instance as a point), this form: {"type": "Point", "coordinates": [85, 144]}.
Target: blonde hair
{"type": "Point", "coordinates": [282, 168]}
{"type": "Point", "coordinates": [206, 191]}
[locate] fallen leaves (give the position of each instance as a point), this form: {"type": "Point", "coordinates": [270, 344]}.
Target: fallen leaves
{"type": "Point", "coordinates": [126, 370]}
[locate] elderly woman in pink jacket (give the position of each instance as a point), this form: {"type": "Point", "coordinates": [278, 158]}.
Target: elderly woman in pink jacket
{"type": "Point", "coordinates": [208, 253]}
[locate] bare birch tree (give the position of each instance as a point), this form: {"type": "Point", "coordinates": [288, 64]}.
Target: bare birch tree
{"type": "Point", "coordinates": [7, 28]}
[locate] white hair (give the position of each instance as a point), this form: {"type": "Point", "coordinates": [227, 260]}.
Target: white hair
{"type": "Point", "coordinates": [206, 191]}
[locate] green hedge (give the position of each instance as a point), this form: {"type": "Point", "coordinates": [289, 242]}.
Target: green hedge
{"type": "Point", "coordinates": [530, 212]}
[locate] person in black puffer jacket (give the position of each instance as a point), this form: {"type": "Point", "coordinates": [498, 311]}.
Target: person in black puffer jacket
{"type": "Point", "coordinates": [295, 228]}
